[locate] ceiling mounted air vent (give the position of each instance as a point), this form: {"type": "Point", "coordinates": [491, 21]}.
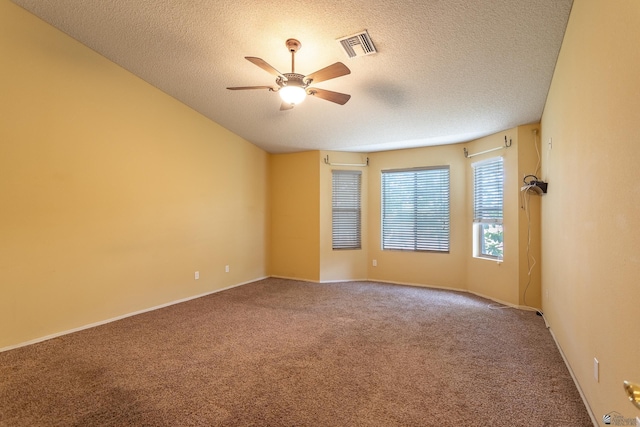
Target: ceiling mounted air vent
{"type": "Point", "coordinates": [358, 44]}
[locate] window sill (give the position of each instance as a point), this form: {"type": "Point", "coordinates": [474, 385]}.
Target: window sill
{"type": "Point", "coordinates": [486, 258]}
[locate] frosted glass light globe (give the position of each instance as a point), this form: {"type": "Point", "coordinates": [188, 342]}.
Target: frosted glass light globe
{"type": "Point", "coordinates": [292, 94]}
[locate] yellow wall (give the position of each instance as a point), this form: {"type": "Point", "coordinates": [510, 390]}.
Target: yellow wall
{"type": "Point", "coordinates": [591, 215]}
{"type": "Point", "coordinates": [341, 264]}
{"type": "Point", "coordinates": [421, 268]}
{"type": "Point", "coordinates": [506, 281]}
{"type": "Point", "coordinates": [112, 193]}
{"type": "Point", "coordinates": [529, 225]}
{"type": "Point", "coordinates": [301, 245]}
{"type": "Point", "coordinates": [497, 280]}
{"type": "Point", "coordinates": [295, 215]}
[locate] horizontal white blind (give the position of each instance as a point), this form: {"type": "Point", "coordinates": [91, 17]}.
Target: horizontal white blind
{"type": "Point", "coordinates": [346, 209]}
{"type": "Point", "coordinates": [488, 189]}
{"type": "Point", "coordinates": [415, 209]}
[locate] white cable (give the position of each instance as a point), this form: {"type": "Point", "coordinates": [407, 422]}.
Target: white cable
{"type": "Point", "coordinates": [535, 144]}
{"type": "Point", "coordinates": [498, 306]}
{"type": "Point", "coordinates": [526, 203]}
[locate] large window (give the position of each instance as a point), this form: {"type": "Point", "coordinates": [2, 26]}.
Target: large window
{"type": "Point", "coordinates": [415, 209]}
{"type": "Point", "coordinates": [346, 222]}
{"type": "Point", "coordinates": [488, 191]}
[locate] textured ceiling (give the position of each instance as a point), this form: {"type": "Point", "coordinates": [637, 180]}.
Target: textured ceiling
{"type": "Point", "coordinates": [445, 72]}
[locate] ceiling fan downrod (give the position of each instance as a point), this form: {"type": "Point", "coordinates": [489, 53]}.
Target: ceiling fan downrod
{"type": "Point", "coordinates": [293, 45]}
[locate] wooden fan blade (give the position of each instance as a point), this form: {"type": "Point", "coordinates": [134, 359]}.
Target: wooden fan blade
{"type": "Point", "coordinates": [337, 97]}
{"type": "Point", "coordinates": [331, 72]}
{"type": "Point", "coordinates": [250, 87]}
{"type": "Point", "coordinates": [262, 64]}
{"type": "Point", "coordinates": [285, 106]}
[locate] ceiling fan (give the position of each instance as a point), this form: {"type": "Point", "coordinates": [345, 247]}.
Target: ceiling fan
{"type": "Point", "coordinates": [293, 87]}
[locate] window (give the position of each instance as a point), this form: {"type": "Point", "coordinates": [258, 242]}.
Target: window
{"type": "Point", "coordinates": [346, 209]}
{"type": "Point", "coordinates": [488, 191]}
{"type": "Point", "coordinates": [415, 209]}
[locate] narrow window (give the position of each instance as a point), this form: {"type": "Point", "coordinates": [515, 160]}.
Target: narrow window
{"type": "Point", "coordinates": [346, 222]}
{"type": "Point", "coordinates": [415, 209]}
{"type": "Point", "coordinates": [488, 193]}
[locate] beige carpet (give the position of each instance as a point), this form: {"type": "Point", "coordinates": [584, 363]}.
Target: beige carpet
{"type": "Point", "coordinates": [288, 353]}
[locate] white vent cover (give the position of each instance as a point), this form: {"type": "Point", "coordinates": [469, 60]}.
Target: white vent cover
{"type": "Point", "coordinates": [358, 44]}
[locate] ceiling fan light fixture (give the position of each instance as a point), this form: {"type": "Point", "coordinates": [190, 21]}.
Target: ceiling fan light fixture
{"type": "Point", "coordinates": [294, 87]}
{"type": "Point", "coordinates": [292, 94]}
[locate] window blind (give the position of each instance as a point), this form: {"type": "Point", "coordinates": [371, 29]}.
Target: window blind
{"type": "Point", "coordinates": [346, 222]}
{"type": "Point", "coordinates": [415, 209]}
{"type": "Point", "coordinates": [488, 191]}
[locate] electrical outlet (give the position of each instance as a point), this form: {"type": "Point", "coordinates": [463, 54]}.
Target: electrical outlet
{"type": "Point", "coordinates": [375, 262]}
{"type": "Point", "coordinates": [596, 370]}
{"type": "Point", "coordinates": [226, 268]}
{"type": "Point", "coordinates": [196, 275]}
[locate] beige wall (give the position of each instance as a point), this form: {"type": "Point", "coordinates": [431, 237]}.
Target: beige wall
{"type": "Point", "coordinates": [301, 245]}
{"type": "Point", "coordinates": [295, 215]}
{"type": "Point", "coordinates": [421, 268]}
{"type": "Point", "coordinates": [341, 264]}
{"type": "Point", "coordinates": [591, 216]}
{"type": "Point", "coordinates": [496, 280]}
{"type": "Point", "coordinates": [529, 225]}
{"type": "Point", "coordinates": [112, 193]}
{"type": "Point", "coordinates": [501, 281]}
{"type": "Point", "coordinates": [507, 281]}
{"type": "Point", "coordinates": [301, 220]}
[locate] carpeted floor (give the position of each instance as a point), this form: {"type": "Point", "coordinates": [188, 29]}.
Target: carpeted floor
{"type": "Point", "coordinates": [287, 353]}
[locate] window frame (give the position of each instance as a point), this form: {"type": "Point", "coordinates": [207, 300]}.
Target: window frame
{"type": "Point", "coordinates": [415, 227]}
{"type": "Point", "coordinates": [488, 212]}
{"type": "Point", "coordinates": [346, 210]}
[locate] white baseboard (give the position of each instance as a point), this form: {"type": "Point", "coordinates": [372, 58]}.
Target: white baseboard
{"type": "Point", "coordinates": [321, 281]}
{"type": "Point", "coordinates": [103, 322]}
{"type": "Point", "coordinates": [124, 316]}
{"type": "Point", "coordinates": [417, 285]}
{"type": "Point", "coordinates": [446, 288]}
{"type": "Point", "coordinates": [295, 278]}
{"type": "Point", "coordinates": [508, 304]}
{"type": "Point", "coordinates": [348, 280]}
{"type": "Point", "coordinates": [575, 380]}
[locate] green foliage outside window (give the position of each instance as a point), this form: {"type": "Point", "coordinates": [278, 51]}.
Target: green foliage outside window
{"type": "Point", "coordinates": [492, 240]}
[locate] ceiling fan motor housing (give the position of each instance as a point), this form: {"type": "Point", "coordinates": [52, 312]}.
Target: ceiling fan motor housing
{"type": "Point", "coordinates": [293, 79]}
